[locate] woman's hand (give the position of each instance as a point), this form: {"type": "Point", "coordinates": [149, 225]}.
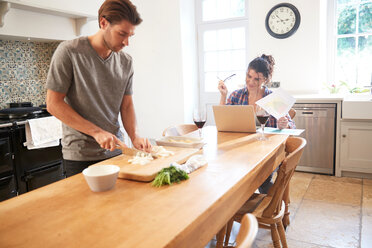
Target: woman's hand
{"type": "Point", "coordinates": [222, 88]}
{"type": "Point", "coordinates": [142, 144]}
{"type": "Point", "coordinates": [283, 122]}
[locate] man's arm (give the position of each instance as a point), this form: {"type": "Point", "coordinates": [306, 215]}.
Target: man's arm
{"type": "Point", "coordinates": [128, 117]}
{"type": "Point", "coordinates": [61, 110]}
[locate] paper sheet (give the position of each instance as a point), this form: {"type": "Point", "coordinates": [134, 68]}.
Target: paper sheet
{"type": "Point", "coordinates": [272, 130]}
{"type": "Point", "coordinates": [277, 103]}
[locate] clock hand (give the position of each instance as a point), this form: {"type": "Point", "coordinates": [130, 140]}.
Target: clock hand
{"type": "Point", "coordinates": [279, 17]}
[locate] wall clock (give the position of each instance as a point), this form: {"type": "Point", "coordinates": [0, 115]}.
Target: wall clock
{"type": "Point", "coordinates": [282, 20]}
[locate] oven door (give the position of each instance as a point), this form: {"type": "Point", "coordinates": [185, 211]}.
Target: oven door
{"type": "Point", "coordinates": [8, 187]}
{"type": "Point", "coordinates": [6, 162]}
{"type": "Point", "coordinates": [44, 175]}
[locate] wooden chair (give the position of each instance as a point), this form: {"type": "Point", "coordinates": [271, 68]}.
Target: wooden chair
{"type": "Point", "coordinates": [247, 233]}
{"type": "Point", "coordinates": [286, 198]}
{"type": "Point", "coordinates": [292, 113]}
{"type": "Point", "coordinates": [269, 209]}
{"type": "Point", "coordinates": [179, 130]}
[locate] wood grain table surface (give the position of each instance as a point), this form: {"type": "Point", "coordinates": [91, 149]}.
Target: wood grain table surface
{"type": "Point", "coordinates": [135, 214]}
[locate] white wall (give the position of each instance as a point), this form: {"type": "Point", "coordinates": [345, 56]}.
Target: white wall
{"type": "Point", "coordinates": [298, 58]}
{"type": "Point", "coordinates": [164, 82]}
{"type": "Point", "coordinates": [166, 87]}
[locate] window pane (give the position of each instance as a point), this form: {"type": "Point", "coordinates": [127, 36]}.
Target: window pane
{"type": "Point", "coordinates": [210, 61]}
{"type": "Point", "coordinates": [210, 40]}
{"type": "Point", "coordinates": [209, 10]}
{"type": "Point", "coordinates": [238, 38]}
{"type": "Point", "coordinates": [224, 53]}
{"type": "Point", "coordinates": [365, 61]}
{"type": "Point", "coordinates": [237, 8]}
{"type": "Point", "coordinates": [224, 61]}
{"type": "Point", "coordinates": [346, 60]}
{"type": "Point", "coordinates": [346, 20]}
{"type": "Point", "coordinates": [238, 60]}
{"type": "Point", "coordinates": [222, 9]}
{"type": "Point", "coordinates": [345, 1]}
{"type": "Point", "coordinates": [365, 18]}
{"type": "Point", "coordinates": [224, 39]}
{"type": "Point", "coordinates": [211, 82]}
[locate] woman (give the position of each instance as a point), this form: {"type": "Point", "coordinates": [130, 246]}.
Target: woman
{"type": "Point", "coordinates": [259, 73]}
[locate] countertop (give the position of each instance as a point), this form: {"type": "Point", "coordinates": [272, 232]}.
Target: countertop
{"type": "Point", "coordinates": [319, 97]}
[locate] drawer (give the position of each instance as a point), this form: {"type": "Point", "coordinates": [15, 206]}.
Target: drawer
{"type": "Point", "coordinates": [8, 188]}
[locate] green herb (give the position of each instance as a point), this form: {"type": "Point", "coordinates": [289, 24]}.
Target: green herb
{"type": "Point", "coordinates": [169, 175]}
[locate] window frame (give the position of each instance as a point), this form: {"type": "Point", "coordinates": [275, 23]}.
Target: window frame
{"type": "Point", "coordinates": [333, 23]}
{"type": "Point", "coordinates": [202, 26]}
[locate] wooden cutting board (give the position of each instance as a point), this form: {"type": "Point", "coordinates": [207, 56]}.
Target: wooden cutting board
{"type": "Point", "coordinates": [147, 172]}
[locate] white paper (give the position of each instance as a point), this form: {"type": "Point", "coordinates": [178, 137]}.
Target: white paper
{"type": "Point", "coordinates": [277, 103]}
{"type": "Point", "coordinates": [271, 130]}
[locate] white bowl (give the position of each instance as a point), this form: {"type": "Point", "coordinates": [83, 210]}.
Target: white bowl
{"type": "Point", "coordinates": [101, 177]}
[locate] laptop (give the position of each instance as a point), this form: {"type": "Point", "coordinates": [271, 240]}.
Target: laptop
{"type": "Point", "coordinates": [234, 118]}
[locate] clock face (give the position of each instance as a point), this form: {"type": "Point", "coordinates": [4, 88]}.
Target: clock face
{"type": "Point", "coordinates": [282, 20]}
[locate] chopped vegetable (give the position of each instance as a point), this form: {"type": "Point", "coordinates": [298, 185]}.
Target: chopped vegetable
{"type": "Point", "coordinates": [169, 175]}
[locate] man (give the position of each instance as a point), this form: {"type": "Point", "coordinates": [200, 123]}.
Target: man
{"type": "Point", "coordinates": [89, 83]}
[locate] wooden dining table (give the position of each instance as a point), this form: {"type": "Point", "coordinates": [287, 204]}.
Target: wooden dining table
{"type": "Point", "coordinates": [135, 214]}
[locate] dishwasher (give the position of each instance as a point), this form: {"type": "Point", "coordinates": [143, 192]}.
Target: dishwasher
{"type": "Point", "coordinates": [319, 122]}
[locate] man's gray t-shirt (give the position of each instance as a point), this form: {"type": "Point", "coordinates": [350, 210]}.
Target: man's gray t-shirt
{"type": "Point", "coordinates": [94, 88]}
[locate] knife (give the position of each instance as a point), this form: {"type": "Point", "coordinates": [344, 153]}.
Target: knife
{"type": "Point", "coordinates": [133, 152]}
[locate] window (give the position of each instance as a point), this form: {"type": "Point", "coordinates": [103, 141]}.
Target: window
{"type": "Point", "coordinates": [222, 41]}
{"type": "Point", "coordinates": [353, 63]}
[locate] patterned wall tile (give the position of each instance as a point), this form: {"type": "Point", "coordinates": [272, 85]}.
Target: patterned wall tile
{"type": "Point", "coordinates": [23, 70]}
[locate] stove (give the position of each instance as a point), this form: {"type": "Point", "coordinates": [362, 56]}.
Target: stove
{"type": "Point", "coordinates": [21, 111]}
{"type": "Point", "coordinates": [22, 170]}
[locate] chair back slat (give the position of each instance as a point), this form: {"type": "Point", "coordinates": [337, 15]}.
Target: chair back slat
{"type": "Point", "coordinates": [294, 148]}
{"type": "Point", "coordinates": [248, 231]}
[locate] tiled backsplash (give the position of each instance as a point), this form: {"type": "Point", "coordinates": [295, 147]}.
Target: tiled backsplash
{"type": "Point", "coordinates": [23, 70]}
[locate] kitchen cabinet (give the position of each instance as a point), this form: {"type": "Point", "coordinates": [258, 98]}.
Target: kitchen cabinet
{"type": "Point", "coordinates": [356, 144]}
{"type": "Point", "coordinates": [48, 19]}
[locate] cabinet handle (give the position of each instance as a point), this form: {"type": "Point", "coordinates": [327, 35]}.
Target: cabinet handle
{"type": "Point", "coordinates": [344, 136]}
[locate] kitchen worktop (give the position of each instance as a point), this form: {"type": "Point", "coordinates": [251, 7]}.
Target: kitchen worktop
{"type": "Point", "coordinates": [319, 97]}
{"type": "Point", "coordinates": [332, 97]}
{"type": "Point", "coordinates": [135, 214]}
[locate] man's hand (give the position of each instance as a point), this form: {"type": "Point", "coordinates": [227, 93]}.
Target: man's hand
{"type": "Point", "coordinates": [107, 140]}
{"type": "Point", "coordinates": [283, 122]}
{"type": "Point", "coordinates": [142, 144]}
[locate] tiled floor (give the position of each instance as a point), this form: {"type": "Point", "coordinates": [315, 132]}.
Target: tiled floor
{"type": "Point", "coordinates": [325, 212]}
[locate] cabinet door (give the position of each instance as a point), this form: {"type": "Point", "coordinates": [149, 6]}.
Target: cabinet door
{"type": "Point", "coordinates": [356, 146]}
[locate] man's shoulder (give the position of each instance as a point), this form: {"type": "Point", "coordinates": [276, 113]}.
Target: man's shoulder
{"type": "Point", "coordinates": [74, 44]}
{"type": "Point", "coordinates": [124, 55]}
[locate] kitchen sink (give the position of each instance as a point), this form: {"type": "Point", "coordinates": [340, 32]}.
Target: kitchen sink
{"type": "Point", "coordinates": [357, 107]}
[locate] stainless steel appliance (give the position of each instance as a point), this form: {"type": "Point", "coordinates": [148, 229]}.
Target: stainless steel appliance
{"type": "Point", "coordinates": [319, 122]}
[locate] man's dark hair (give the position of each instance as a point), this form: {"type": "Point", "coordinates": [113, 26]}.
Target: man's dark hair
{"type": "Point", "coordinates": [115, 11]}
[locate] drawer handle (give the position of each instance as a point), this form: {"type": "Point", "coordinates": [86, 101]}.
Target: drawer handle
{"type": "Point", "coordinates": [344, 136]}
{"type": "Point", "coordinates": [308, 113]}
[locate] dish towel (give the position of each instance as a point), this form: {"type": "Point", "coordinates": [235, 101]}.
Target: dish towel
{"type": "Point", "coordinates": [43, 132]}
